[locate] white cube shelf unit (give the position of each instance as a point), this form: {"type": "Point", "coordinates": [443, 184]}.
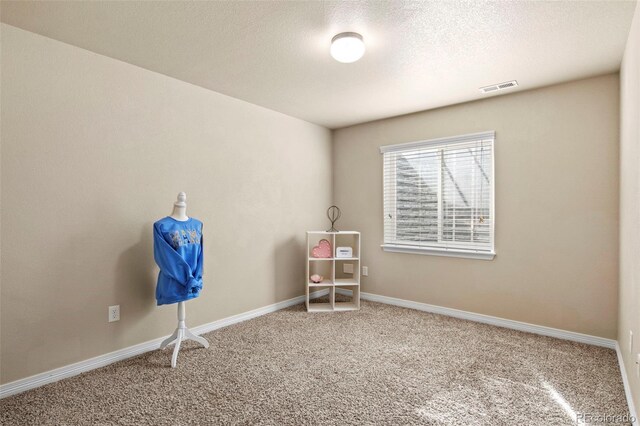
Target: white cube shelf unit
{"type": "Point", "coordinates": [338, 272]}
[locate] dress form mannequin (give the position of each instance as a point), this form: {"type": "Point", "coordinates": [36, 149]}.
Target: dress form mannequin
{"type": "Point", "coordinates": [182, 332]}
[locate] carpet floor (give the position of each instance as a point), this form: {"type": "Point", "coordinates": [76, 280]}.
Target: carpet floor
{"type": "Point", "coordinates": [380, 365]}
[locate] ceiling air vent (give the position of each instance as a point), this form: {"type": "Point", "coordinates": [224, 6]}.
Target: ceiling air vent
{"type": "Point", "coordinates": [500, 86]}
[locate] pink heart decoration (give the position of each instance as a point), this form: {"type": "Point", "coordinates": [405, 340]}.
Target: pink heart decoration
{"type": "Point", "coordinates": [323, 249]}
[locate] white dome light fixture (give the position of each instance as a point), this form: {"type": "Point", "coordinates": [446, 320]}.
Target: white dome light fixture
{"type": "Point", "coordinates": [347, 47]}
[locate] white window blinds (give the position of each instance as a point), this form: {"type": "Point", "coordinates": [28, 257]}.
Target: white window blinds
{"type": "Point", "coordinates": [438, 196]}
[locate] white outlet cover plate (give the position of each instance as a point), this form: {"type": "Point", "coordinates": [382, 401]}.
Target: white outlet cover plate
{"type": "Point", "coordinates": [365, 271]}
{"type": "Point", "coordinates": [114, 313]}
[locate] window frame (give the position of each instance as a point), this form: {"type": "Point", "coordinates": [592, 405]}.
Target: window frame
{"type": "Point", "coordinates": [435, 250]}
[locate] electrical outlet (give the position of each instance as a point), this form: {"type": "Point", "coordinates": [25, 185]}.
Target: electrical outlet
{"type": "Point", "coordinates": [114, 313]}
{"type": "Point", "coordinates": [638, 366]}
{"type": "Point", "coordinates": [630, 342]}
{"type": "Point", "coordinates": [347, 268]}
{"type": "Point", "coordinates": [365, 271]}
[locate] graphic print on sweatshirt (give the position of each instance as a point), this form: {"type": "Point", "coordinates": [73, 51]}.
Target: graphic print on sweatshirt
{"type": "Point", "coordinates": [184, 236]}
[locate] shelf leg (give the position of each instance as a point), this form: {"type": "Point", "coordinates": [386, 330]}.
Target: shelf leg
{"type": "Point", "coordinates": [332, 297]}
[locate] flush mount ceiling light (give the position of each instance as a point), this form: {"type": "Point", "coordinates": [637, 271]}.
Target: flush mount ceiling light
{"type": "Point", "coordinates": [347, 47]}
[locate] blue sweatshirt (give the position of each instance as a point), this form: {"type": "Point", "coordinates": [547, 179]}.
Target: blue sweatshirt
{"type": "Point", "coordinates": [177, 249]}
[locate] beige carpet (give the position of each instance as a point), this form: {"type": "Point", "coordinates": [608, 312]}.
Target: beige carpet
{"type": "Point", "coordinates": [381, 365]}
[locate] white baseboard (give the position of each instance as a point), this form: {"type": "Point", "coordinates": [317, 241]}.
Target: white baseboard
{"type": "Point", "coordinates": [627, 388]}
{"type": "Point", "coordinates": [487, 319]}
{"type": "Point", "coordinates": [51, 376]}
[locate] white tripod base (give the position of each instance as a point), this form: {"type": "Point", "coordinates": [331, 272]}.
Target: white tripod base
{"type": "Point", "coordinates": [182, 333]}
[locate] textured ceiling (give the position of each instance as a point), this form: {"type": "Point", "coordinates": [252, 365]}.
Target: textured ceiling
{"type": "Point", "coordinates": [420, 55]}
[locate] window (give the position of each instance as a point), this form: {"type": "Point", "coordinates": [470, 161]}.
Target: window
{"type": "Point", "coordinates": [438, 196]}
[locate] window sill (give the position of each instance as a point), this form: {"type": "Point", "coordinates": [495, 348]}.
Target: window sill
{"type": "Point", "coordinates": [467, 254]}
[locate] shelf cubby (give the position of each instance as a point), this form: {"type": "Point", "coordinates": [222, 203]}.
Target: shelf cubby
{"type": "Point", "coordinates": [313, 305]}
{"type": "Point", "coordinates": [325, 269]}
{"type": "Point", "coordinates": [344, 239]}
{"type": "Point", "coordinates": [349, 297]}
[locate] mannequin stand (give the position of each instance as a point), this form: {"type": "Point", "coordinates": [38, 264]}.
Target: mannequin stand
{"type": "Point", "coordinates": [182, 333]}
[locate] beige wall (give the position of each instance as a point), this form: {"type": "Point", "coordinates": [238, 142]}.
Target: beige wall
{"type": "Point", "coordinates": [629, 318]}
{"type": "Point", "coordinates": [556, 207]}
{"type": "Point", "coordinates": [93, 152]}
